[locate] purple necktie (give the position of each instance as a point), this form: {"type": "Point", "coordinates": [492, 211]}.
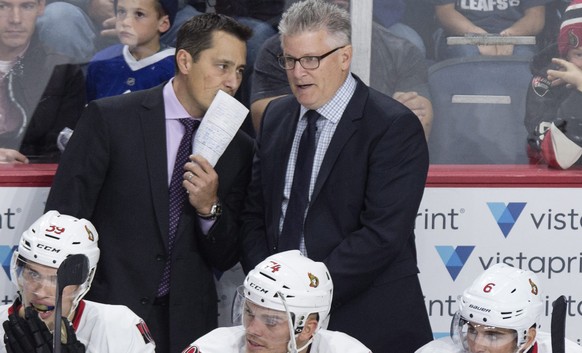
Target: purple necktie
{"type": "Point", "coordinates": [298, 199]}
{"type": "Point", "coordinates": [178, 196]}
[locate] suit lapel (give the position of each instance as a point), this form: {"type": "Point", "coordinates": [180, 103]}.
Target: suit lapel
{"type": "Point", "coordinates": [153, 125]}
{"type": "Point", "coordinates": [347, 126]}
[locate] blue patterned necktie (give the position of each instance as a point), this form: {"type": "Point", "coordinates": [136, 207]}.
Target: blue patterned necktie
{"type": "Point", "coordinates": [298, 199]}
{"type": "Point", "coordinates": [178, 196]}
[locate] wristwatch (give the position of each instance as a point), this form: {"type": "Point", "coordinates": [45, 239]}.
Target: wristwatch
{"type": "Point", "coordinates": [215, 212]}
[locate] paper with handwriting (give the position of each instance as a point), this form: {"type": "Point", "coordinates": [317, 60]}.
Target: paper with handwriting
{"type": "Point", "coordinates": [218, 127]}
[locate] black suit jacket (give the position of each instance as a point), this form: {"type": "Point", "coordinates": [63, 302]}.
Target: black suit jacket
{"type": "Point", "coordinates": [361, 216]}
{"type": "Point", "coordinates": [114, 173]}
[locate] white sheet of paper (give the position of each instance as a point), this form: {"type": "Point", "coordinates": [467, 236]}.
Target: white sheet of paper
{"type": "Point", "coordinates": [218, 127]}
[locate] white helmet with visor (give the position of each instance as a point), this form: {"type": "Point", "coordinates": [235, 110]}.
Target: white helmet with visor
{"type": "Point", "coordinates": [290, 283]}
{"type": "Point", "coordinates": [48, 242]}
{"type": "Point", "coordinates": [501, 297]}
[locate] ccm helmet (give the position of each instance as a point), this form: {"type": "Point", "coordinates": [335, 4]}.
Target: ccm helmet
{"type": "Point", "coordinates": [290, 282]}
{"type": "Point", "coordinates": [50, 240]}
{"type": "Point", "coordinates": [503, 297]}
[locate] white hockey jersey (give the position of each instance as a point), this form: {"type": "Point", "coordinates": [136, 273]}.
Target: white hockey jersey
{"type": "Point", "coordinates": [232, 340]}
{"type": "Point", "coordinates": [103, 328]}
{"type": "Point", "coordinates": [543, 345]}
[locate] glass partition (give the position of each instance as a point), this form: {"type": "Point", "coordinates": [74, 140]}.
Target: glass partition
{"type": "Point", "coordinates": [472, 75]}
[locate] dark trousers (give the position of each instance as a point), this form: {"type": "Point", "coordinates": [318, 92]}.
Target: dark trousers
{"type": "Point", "coordinates": [387, 318]}
{"type": "Point", "coordinates": [159, 324]}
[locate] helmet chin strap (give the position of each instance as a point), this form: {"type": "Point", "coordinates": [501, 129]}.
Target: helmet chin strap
{"type": "Point", "coordinates": [292, 345]}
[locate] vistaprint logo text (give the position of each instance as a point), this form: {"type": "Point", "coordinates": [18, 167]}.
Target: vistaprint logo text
{"type": "Point", "coordinates": [506, 215]}
{"type": "Point", "coordinates": [438, 220]}
{"type": "Point", "coordinates": [448, 305]}
{"type": "Point", "coordinates": [456, 257]}
{"type": "Point", "coordinates": [8, 218]}
{"type": "Point", "coordinates": [557, 220]}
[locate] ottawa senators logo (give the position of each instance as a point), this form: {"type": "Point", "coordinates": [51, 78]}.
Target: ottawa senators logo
{"type": "Point", "coordinates": [313, 280]}
{"type": "Point", "coordinates": [540, 85]}
{"type": "Point", "coordinates": [90, 234]}
{"type": "Point", "coordinates": [534, 287]}
{"type": "Point", "coordinates": [192, 349]}
{"type": "Point", "coordinates": [573, 40]}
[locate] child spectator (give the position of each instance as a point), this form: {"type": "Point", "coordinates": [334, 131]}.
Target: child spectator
{"type": "Point", "coordinates": [140, 61]}
{"type": "Point", "coordinates": [555, 97]}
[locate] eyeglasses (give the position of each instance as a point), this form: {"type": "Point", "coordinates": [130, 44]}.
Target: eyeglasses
{"type": "Point", "coordinates": [310, 62]}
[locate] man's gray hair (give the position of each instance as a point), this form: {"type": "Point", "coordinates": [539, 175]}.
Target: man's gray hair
{"type": "Point", "coordinates": [315, 15]}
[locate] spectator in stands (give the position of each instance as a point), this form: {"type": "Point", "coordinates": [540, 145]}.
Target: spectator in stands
{"type": "Point", "coordinates": [283, 306]}
{"type": "Point", "coordinates": [81, 28]}
{"type": "Point", "coordinates": [40, 94]}
{"type": "Point", "coordinates": [505, 18]}
{"type": "Point", "coordinates": [265, 11]}
{"type": "Point", "coordinates": [390, 14]}
{"type": "Point", "coordinates": [88, 326]}
{"type": "Point", "coordinates": [140, 61]}
{"type": "Point", "coordinates": [555, 96]}
{"type": "Point", "coordinates": [499, 313]}
{"type": "Point", "coordinates": [88, 28]}
{"type": "Point", "coordinates": [398, 69]}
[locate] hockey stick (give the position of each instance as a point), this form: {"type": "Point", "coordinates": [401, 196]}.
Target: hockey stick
{"type": "Point", "coordinates": [558, 328]}
{"type": "Point", "coordinates": [72, 271]}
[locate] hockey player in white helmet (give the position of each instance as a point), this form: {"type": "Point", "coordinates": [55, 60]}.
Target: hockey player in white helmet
{"type": "Point", "coordinates": [28, 323]}
{"type": "Point", "coordinates": [284, 307]}
{"type": "Point", "coordinates": [499, 313]}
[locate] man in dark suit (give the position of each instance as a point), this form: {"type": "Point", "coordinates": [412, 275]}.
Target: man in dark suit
{"type": "Point", "coordinates": [117, 172]}
{"type": "Point", "coordinates": [363, 191]}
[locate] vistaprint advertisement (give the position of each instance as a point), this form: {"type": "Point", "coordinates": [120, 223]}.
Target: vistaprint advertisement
{"type": "Point", "coordinates": [19, 208]}
{"type": "Point", "coordinates": [460, 232]}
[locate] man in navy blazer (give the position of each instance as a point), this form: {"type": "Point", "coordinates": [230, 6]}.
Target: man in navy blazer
{"type": "Point", "coordinates": [116, 172]}
{"type": "Point", "coordinates": [366, 184]}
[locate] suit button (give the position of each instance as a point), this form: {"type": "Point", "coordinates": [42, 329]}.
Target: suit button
{"type": "Point", "coordinates": [144, 301]}
{"type": "Point", "coordinates": [160, 257]}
